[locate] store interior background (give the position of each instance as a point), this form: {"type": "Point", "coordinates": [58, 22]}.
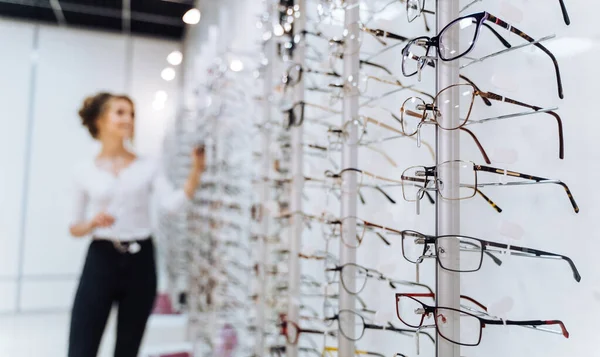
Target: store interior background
{"type": "Point", "coordinates": [50, 68]}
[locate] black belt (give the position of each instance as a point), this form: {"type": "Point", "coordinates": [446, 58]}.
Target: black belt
{"type": "Point", "coordinates": [124, 247]}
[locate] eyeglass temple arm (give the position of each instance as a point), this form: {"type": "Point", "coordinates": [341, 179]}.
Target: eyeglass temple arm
{"type": "Point", "coordinates": [527, 323]}
{"type": "Point", "coordinates": [384, 154]}
{"type": "Point", "coordinates": [536, 253]}
{"type": "Point", "coordinates": [324, 73]}
{"type": "Point", "coordinates": [498, 36]}
{"type": "Point", "coordinates": [379, 327]}
{"type": "Point", "coordinates": [528, 38]}
{"type": "Point", "coordinates": [399, 120]}
{"type": "Point", "coordinates": [379, 189]}
{"type": "Point", "coordinates": [361, 197]}
{"type": "Point", "coordinates": [397, 82]}
{"type": "Point", "coordinates": [315, 34]}
{"type": "Point", "coordinates": [489, 254]}
{"type": "Point", "coordinates": [564, 12]}
{"type": "Point", "coordinates": [386, 34]}
{"type": "Point", "coordinates": [530, 177]}
{"type": "Point", "coordinates": [410, 283]}
{"type": "Point", "coordinates": [497, 97]}
{"type": "Point", "coordinates": [376, 65]}
{"type": "Point", "coordinates": [488, 200]}
{"type": "Point", "coordinates": [479, 146]}
{"type": "Point", "coordinates": [484, 98]}
{"type": "Point", "coordinates": [311, 331]}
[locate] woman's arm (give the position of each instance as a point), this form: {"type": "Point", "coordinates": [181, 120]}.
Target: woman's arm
{"type": "Point", "coordinates": [198, 167]}
{"type": "Point", "coordinates": [84, 228]}
{"type": "Point", "coordinates": [81, 227]}
{"type": "Point", "coordinates": [172, 200]}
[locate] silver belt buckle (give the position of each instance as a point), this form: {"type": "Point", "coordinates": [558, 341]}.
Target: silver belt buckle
{"type": "Point", "coordinates": [131, 248]}
{"type": "Point", "coordinates": [134, 248]}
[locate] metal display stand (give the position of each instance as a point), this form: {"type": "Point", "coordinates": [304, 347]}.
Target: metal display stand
{"type": "Point", "coordinates": [349, 160]}
{"type": "Point", "coordinates": [297, 171]}
{"type": "Point", "coordinates": [448, 211]}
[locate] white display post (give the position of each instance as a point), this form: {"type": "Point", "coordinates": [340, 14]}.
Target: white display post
{"type": "Point", "coordinates": [349, 160]}
{"type": "Point", "coordinates": [265, 169]}
{"type": "Point", "coordinates": [297, 169]}
{"type": "Point", "coordinates": [448, 211]}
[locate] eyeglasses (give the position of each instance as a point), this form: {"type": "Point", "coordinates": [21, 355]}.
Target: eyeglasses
{"type": "Point", "coordinates": [417, 179]}
{"type": "Point", "coordinates": [354, 278]}
{"type": "Point", "coordinates": [415, 53]}
{"type": "Point", "coordinates": [417, 246]}
{"type": "Point", "coordinates": [414, 313]}
{"type": "Point", "coordinates": [330, 309]}
{"type": "Point", "coordinates": [279, 351]}
{"type": "Point", "coordinates": [362, 227]}
{"type": "Point", "coordinates": [352, 180]}
{"type": "Point", "coordinates": [414, 9]}
{"type": "Point", "coordinates": [291, 118]}
{"type": "Point", "coordinates": [292, 331]}
{"type": "Point", "coordinates": [415, 111]}
{"type": "Point", "coordinates": [357, 178]}
{"type": "Point", "coordinates": [359, 85]}
{"type": "Point", "coordinates": [350, 39]}
{"type": "Point", "coordinates": [363, 124]}
{"type": "Point", "coordinates": [353, 326]}
{"type": "Point", "coordinates": [293, 75]}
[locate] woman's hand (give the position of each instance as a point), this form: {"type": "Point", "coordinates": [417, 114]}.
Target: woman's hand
{"type": "Point", "coordinates": [102, 220]}
{"type": "Point", "coordinates": [198, 160]}
{"type": "Point", "coordinates": [82, 229]}
{"type": "Point", "coordinates": [198, 167]}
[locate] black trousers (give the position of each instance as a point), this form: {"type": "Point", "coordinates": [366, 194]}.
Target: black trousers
{"type": "Point", "coordinates": [110, 277]}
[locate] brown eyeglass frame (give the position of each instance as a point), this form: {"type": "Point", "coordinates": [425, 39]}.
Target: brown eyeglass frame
{"type": "Point", "coordinates": [465, 121]}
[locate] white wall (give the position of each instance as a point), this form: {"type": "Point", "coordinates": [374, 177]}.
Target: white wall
{"type": "Point", "coordinates": [69, 65]}
{"type": "Point", "coordinates": [541, 289]}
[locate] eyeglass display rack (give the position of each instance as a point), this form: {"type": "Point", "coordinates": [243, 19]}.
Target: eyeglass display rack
{"type": "Point", "coordinates": [283, 164]}
{"type": "Point", "coordinates": [214, 256]}
{"type": "Point", "coordinates": [447, 217]}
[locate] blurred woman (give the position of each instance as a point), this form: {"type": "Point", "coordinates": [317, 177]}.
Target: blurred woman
{"type": "Point", "coordinates": [112, 204]}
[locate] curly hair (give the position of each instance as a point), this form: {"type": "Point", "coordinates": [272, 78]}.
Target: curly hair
{"type": "Point", "coordinates": [94, 106]}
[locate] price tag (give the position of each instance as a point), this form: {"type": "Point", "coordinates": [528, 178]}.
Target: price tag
{"type": "Point", "coordinates": [510, 13]}
{"type": "Point", "coordinates": [511, 230]}
{"type": "Point", "coordinates": [502, 307]}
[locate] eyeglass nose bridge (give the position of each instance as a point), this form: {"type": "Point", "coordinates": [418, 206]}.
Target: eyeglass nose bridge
{"type": "Point", "coordinates": [421, 62]}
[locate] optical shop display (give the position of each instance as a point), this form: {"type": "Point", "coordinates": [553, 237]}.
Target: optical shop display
{"type": "Point", "coordinates": [336, 216]}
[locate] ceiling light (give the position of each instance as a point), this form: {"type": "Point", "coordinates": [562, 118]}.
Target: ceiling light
{"type": "Point", "coordinates": [192, 17]}
{"type": "Point", "coordinates": [236, 65]}
{"type": "Point", "coordinates": [175, 58]}
{"type": "Point", "coordinates": [168, 74]}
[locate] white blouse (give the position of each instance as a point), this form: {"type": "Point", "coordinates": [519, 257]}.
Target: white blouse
{"type": "Point", "coordinates": [127, 197]}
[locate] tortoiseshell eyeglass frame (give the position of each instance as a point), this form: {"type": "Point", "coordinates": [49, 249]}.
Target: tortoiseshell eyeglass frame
{"type": "Point", "coordinates": [479, 19]}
